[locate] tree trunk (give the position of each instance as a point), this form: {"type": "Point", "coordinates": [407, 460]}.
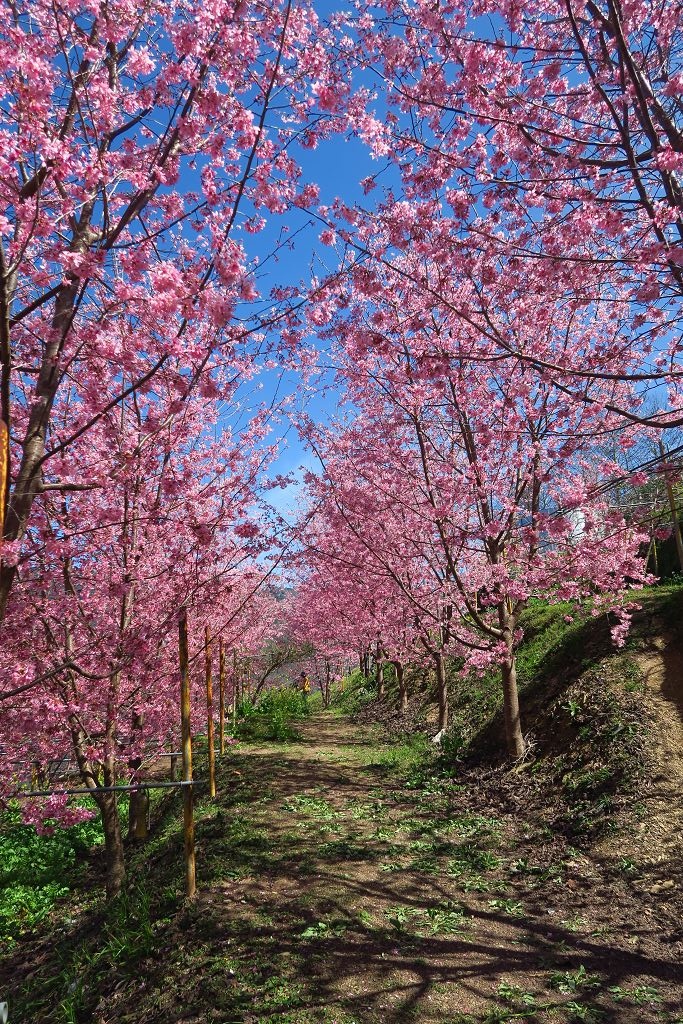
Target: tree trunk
{"type": "Point", "coordinates": [379, 673]}
{"type": "Point", "coordinates": [221, 696]}
{"type": "Point", "coordinates": [441, 689]}
{"type": "Point", "coordinates": [106, 801]}
{"type": "Point", "coordinates": [401, 680]}
{"type": "Point", "coordinates": [27, 480]}
{"type": "Point", "coordinates": [113, 843]}
{"type": "Point", "coordinates": [138, 815]}
{"type": "Point", "coordinates": [513, 725]}
{"type": "Point", "coordinates": [138, 808]}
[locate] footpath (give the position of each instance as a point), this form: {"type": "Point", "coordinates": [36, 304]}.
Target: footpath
{"type": "Point", "coordinates": [341, 882]}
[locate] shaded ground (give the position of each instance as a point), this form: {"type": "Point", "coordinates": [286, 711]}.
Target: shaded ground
{"type": "Point", "coordinates": [339, 884]}
{"type": "Point", "coordinates": [661, 667]}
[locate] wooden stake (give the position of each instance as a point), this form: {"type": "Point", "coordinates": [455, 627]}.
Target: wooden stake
{"type": "Point", "coordinates": [4, 474]}
{"type": "Point", "coordinates": [221, 695]}
{"type": "Point", "coordinates": [209, 712]}
{"type": "Point", "coordinates": [188, 799]}
{"type": "Point", "coordinates": [234, 691]}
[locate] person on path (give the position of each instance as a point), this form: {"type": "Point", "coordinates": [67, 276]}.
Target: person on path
{"type": "Point", "coordinates": [304, 684]}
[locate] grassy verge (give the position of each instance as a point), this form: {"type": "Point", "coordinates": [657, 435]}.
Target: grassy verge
{"type": "Point", "coordinates": [561, 644]}
{"type": "Point", "coordinates": [38, 870]}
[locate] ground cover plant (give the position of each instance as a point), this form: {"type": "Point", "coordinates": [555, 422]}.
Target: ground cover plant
{"type": "Point", "coordinates": [37, 870]}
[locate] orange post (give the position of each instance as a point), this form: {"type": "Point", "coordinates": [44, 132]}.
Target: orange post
{"type": "Point", "coordinates": [209, 712]}
{"type": "Point", "coordinates": [221, 695]}
{"type": "Point", "coordinates": [4, 476]}
{"type": "Point", "coordinates": [234, 691]}
{"type": "Point", "coordinates": [186, 733]}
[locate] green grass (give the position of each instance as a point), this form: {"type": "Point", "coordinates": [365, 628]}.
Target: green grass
{"type": "Point", "coordinates": [357, 692]}
{"type": "Point", "coordinates": [37, 870]}
{"type": "Point", "coordinates": [272, 717]}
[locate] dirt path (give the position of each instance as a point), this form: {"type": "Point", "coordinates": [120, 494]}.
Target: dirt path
{"type": "Point", "coordinates": [331, 893]}
{"type": "Point", "coordinates": [342, 883]}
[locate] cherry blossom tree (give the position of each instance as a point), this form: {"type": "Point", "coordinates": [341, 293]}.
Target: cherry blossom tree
{"type": "Point", "coordinates": [341, 606]}
{"type": "Point", "coordinates": [141, 148]}
{"type": "Point", "coordinates": [546, 140]}
{"type": "Point", "coordinates": [470, 480]}
{"type": "Point", "coordinates": [166, 522]}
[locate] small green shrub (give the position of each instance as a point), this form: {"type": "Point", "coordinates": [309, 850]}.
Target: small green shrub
{"type": "Point", "coordinates": [271, 718]}
{"type": "Point", "coordinates": [356, 692]}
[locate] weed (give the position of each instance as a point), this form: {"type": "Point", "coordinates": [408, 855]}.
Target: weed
{"type": "Point", "coordinates": [627, 866]}
{"type": "Point", "coordinates": [581, 1012]}
{"type": "Point", "coordinates": [313, 806]}
{"type": "Point", "coordinates": [641, 995]}
{"type": "Point", "coordinates": [446, 917]}
{"type": "Point", "coordinates": [399, 916]}
{"type": "Point", "coordinates": [512, 907]}
{"type": "Point", "coordinates": [425, 865]}
{"type": "Point", "coordinates": [469, 858]}
{"type": "Point", "coordinates": [573, 708]}
{"type": "Point", "coordinates": [344, 849]}
{"type": "Point", "coordinates": [355, 694]}
{"type": "Point", "coordinates": [35, 869]}
{"type": "Point", "coordinates": [575, 923]}
{"type": "Point", "coordinates": [514, 995]}
{"type": "Point", "coordinates": [324, 930]}
{"type": "Point", "coordinates": [477, 883]}
{"type": "Point", "coordinates": [271, 719]}
{"type": "Point", "coordinates": [568, 982]}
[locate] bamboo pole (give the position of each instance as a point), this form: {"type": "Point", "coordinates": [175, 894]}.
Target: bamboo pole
{"type": "Point", "coordinates": [4, 475]}
{"type": "Point", "coordinates": [221, 695]}
{"type": "Point", "coordinates": [188, 800]}
{"type": "Point", "coordinates": [234, 691]}
{"type": "Point", "coordinates": [209, 712]}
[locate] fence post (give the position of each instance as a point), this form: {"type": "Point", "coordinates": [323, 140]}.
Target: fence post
{"type": "Point", "coordinates": [209, 712]}
{"type": "Point", "coordinates": [4, 476]}
{"type": "Point", "coordinates": [188, 798]}
{"type": "Point", "coordinates": [234, 691]}
{"type": "Point", "coordinates": [221, 695]}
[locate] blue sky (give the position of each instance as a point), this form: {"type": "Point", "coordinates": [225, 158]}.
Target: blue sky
{"type": "Point", "coordinates": [336, 166]}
